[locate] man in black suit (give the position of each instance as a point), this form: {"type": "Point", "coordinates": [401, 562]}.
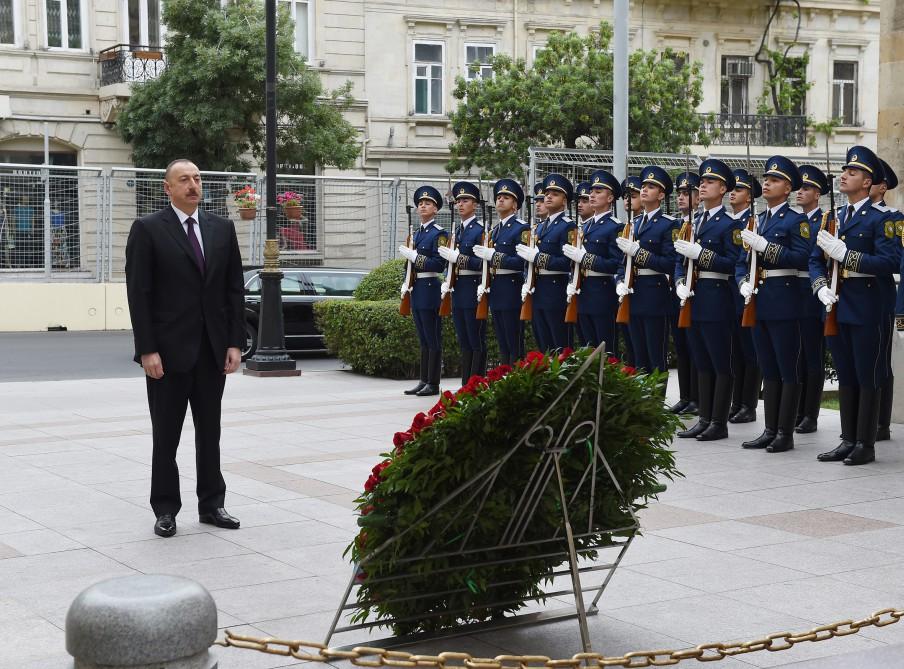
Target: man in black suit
{"type": "Point", "coordinates": [186, 298]}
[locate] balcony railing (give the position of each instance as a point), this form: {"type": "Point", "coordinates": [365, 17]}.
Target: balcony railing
{"type": "Point", "coordinates": [130, 63]}
{"type": "Point", "coordinates": [755, 129]}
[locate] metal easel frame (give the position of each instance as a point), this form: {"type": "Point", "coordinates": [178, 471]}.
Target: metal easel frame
{"type": "Point", "coordinates": [473, 494]}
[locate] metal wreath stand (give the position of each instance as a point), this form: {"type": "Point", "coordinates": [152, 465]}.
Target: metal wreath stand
{"type": "Point", "coordinates": [553, 441]}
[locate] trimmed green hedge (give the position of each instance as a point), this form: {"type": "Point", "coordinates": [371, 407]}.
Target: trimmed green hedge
{"type": "Point", "coordinates": [383, 283]}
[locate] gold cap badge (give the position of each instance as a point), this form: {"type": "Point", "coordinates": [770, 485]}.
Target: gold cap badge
{"type": "Point", "coordinates": [774, 166]}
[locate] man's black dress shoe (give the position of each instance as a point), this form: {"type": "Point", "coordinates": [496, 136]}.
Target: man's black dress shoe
{"type": "Point", "coordinates": [744, 415]}
{"type": "Point", "coordinates": [861, 455]}
{"type": "Point", "coordinates": [427, 390]}
{"type": "Point", "coordinates": [165, 525]}
{"type": "Point", "coordinates": [839, 453]}
{"type": "Point", "coordinates": [220, 518]}
{"type": "Point", "coordinates": [679, 406]}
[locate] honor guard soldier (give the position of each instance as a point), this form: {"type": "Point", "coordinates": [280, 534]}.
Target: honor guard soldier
{"type": "Point", "coordinates": [745, 393]}
{"type": "Point", "coordinates": [652, 248]}
{"type": "Point", "coordinates": [714, 248]}
{"type": "Point", "coordinates": [507, 269]}
{"type": "Point", "coordinates": [781, 244]}
{"type": "Point", "coordinates": [867, 251]}
{"type": "Point", "coordinates": [877, 195]}
{"type": "Point", "coordinates": [688, 188]}
{"type": "Point", "coordinates": [552, 267]}
{"type": "Point", "coordinates": [425, 294]}
{"type": "Point", "coordinates": [471, 333]}
{"type": "Point", "coordinates": [630, 186]}
{"type": "Point", "coordinates": [814, 184]}
{"type": "Point", "coordinates": [599, 258]}
{"type": "Point", "coordinates": [539, 201]}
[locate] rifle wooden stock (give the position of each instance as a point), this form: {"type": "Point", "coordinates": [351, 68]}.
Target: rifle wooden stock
{"type": "Point", "coordinates": [748, 318]}
{"type": "Point", "coordinates": [527, 308]}
{"type": "Point", "coordinates": [571, 311]}
{"type": "Point", "coordinates": [405, 306]}
{"type": "Point", "coordinates": [624, 302]}
{"type": "Point", "coordinates": [527, 304]}
{"type": "Point", "coordinates": [483, 304]}
{"type": "Point", "coordinates": [830, 327]}
{"type": "Point", "coordinates": [690, 274]}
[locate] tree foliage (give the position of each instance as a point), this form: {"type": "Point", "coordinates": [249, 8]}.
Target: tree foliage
{"type": "Point", "coordinates": [209, 102]}
{"type": "Point", "coordinates": [565, 99]}
{"type": "Point", "coordinates": [786, 87]}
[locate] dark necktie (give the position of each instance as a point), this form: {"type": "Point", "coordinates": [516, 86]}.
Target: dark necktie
{"type": "Point", "coordinates": [703, 221]}
{"type": "Point", "coordinates": [850, 213]}
{"type": "Point", "coordinates": [195, 244]}
{"type": "Point", "coordinates": [643, 224]}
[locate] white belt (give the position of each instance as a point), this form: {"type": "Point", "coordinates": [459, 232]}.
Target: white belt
{"type": "Point", "coordinates": [857, 275]}
{"type": "Point", "coordinates": [590, 272]}
{"type": "Point", "coordinates": [469, 272]}
{"type": "Point", "coordinates": [713, 275]}
{"type": "Point", "coordinates": [649, 272]}
{"type": "Point", "coordinates": [508, 271]}
{"type": "Point", "coordinates": [803, 275]}
{"type": "Point", "coordinates": [770, 273]}
{"type": "Point", "coordinates": [547, 272]}
{"type": "Point", "coordinates": [427, 275]}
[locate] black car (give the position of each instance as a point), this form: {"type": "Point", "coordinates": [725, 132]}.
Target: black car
{"type": "Point", "coordinates": [301, 288]}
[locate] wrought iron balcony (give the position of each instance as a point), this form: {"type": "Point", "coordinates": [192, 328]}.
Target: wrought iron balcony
{"type": "Point", "coordinates": [130, 63]}
{"type": "Point", "coordinates": [756, 129]}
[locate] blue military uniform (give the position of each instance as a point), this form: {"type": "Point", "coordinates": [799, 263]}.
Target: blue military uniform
{"type": "Point", "coordinates": [598, 302]}
{"type": "Point", "coordinates": [470, 332]}
{"type": "Point", "coordinates": [629, 185]}
{"type": "Point", "coordinates": [652, 300]}
{"type": "Point", "coordinates": [812, 344]}
{"type": "Point", "coordinates": [508, 276]}
{"type": "Point", "coordinates": [688, 392]}
{"type": "Point", "coordinates": [746, 369]}
{"type": "Point", "coordinates": [718, 236]}
{"type": "Point", "coordinates": [552, 267]}
{"type": "Point", "coordinates": [776, 334]}
{"type": "Point", "coordinates": [894, 299]}
{"type": "Point", "coordinates": [871, 257]}
{"type": "Point", "coordinates": [425, 294]}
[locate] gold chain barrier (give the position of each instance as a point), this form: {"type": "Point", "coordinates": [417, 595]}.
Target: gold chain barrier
{"type": "Point", "coordinates": [366, 656]}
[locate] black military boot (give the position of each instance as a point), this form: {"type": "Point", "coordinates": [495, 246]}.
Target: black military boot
{"type": "Point", "coordinates": [848, 404]}
{"type": "Point", "coordinates": [811, 398]}
{"type": "Point", "coordinates": [772, 398]}
{"type": "Point", "coordinates": [750, 396]}
{"type": "Point", "coordinates": [864, 450]}
{"type": "Point", "coordinates": [424, 370]}
{"type": "Point", "coordinates": [467, 359]}
{"type": "Point", "coordinates": [737, 392]}
{"type": "Point", "coordinates": [684, 385]}
{"type": "Point", "coordinates": [787, 412]}
{"type": "Point", "coordinates": [888, 395]}
{"type": "Point", "coordinates": [705, 382]}
{"type": "Point", "coordinates": [434, 367]}
{"type": "Point", "coordinates": [718, 425]}
{"type": "Point", "coordinates": [479, 363]}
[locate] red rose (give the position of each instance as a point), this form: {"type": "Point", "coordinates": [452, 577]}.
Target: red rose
{"type": "Point", "coordinates": [612, 360]}
{"type": "Point", "coordinates": [498, 372]}
{"type": "Point", "coordinates": [367, 509]}
{"type": "Point", "coordinates": [421, 421]}
{"type": "Point", "coordinates": [400, 438]}
{"type": "Point", "coordinates": [566, 352]}
{"type": "Point", "coordinates": [533, 359]}
{"type": "Point", "coordinates": [378, 469]}
{"type": "Point", "coordinates": [361, 539]}
{"type": "Point", "coordinates": [371, 483]}
{"type": "Point", "coordinates": [360, 576]}
{"type": "Point", "coordinates": [630, 371]}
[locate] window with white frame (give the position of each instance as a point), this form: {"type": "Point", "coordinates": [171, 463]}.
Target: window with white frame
{"type": "Point", "coordinates": [65, 23]}
{"type": "Point", "coordinates": [301, 12]}
{"type": "Point", "coordinates": [844, 91]}
{"type": "Point", "coordinates": [477, 61]}
{"type": "Point", "coordinates": [8, 21]}
{"type": "Point", "coordinates": [143, 22]}
{"type": "Point", "coordinates": [536, 49]}
{"type": "Point", "coordinates": [736, 74]}
{"type": "Point", "coordinates": [428, 78]}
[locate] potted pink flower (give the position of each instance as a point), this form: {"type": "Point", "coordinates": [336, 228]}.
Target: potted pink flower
{"type": "Point", "coordinates": [246, 200]}
{"type": "Point", "coordinates": [291, 204]}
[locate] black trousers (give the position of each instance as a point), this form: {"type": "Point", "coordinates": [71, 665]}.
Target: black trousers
{"type": "Point", "coordinates": [168, 399]}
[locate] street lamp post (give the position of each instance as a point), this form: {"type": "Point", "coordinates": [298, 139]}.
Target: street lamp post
{"type": "Point", "coordinates": [271, 358]}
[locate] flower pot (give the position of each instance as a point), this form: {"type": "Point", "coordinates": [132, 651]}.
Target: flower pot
{"type": "Point", "coordinates": [293, 213]}
{"type": "Point", "coordinates": [248, 214]}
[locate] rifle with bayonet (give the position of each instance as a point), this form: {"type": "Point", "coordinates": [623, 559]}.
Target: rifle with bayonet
{"type": "Point", "coordinates": [833, 272]}
{"type": "Point", "coordinates": [748, 317]}
{"type": "Point", "coordinates": [408, 282]}
{"type": "Point", "coordinates": [687, 234]}
{"type": "Point", "coordinates": [445, 307]}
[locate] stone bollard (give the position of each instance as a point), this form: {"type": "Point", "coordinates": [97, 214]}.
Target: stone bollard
{"type": "Point", "coordinates": [142, 622]}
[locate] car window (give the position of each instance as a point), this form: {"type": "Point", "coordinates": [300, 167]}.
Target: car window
{"type": "Point", "coordinates": [334, 285]}
{"type": "Point", "coordinates": [254, 285]}
{"type": "Point", "coordinates": [295, 283]}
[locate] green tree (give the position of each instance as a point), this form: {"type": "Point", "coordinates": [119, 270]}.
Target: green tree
{"type": "Point", "coordinates": [566, 97]}
{"type": "Point", "coordinates": [786, 86]}
{"type": "Point", "coordinates": [209, 102]}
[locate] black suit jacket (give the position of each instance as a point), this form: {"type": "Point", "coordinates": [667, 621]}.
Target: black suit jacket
{"type": "Point", "coordinates": [171, 302]}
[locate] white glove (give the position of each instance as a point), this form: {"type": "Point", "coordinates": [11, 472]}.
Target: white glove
{"type": "Point", "coordinates": [690, 250]}
{"type": "Point", "coordinates": [834, 247]}
{"type": "Point", "coordinates": [627, 246]}
{"type": "Point", "coordinates": [576, 254]}
{"type": "Point", "coordinates": [524, 292]}
{"type": "Point", "coordinates": [746, 289]}
{"type": "Point", "coordinates": [408, 254]}
{"type": "Point", "coordinates": [754, 241]}
{"type": "Point", "coordinates": [527, 252]}
{"type": "Point", "coordinates": [484, 252]}
{"type": "Point", "coordinates": [444, 288]}
{"type": "Point", "coordinates": [826, 296]}
{"type": "Point", "coordinates": [404, 291]}
{"type": "Point", "coordinates": [449, 255]}
{"type": "Point", "coordinates": [683, 291]}
{"type": "Point", "coordinates": [480, 291]}
{"type": "Point", "coordinates": [571, 290]}
{"type": "Point", "coordinates": [621, 289]}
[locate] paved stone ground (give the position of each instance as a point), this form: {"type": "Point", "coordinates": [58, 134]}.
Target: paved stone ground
{"type": "Point", "coordinates": [749, 543]}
